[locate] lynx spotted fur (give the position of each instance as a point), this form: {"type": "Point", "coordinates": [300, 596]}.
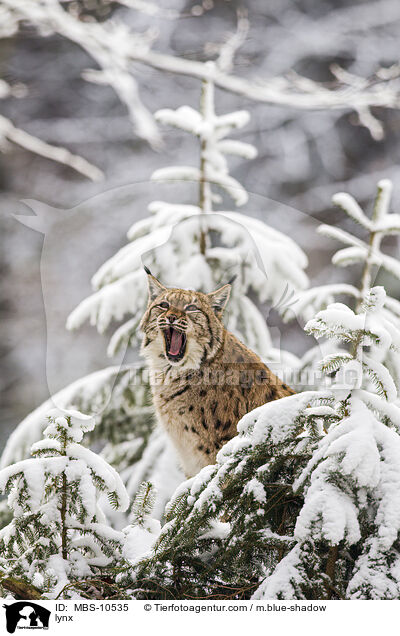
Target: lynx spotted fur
{"type": "Point", "coordinates": [203, 378]}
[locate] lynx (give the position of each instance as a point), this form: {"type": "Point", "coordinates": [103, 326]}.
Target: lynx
{"type": "Point", "coordinates": [203, 378]}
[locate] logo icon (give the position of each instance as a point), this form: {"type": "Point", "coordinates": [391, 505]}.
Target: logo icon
{"type": "Point", "coordinates": [26, 615]}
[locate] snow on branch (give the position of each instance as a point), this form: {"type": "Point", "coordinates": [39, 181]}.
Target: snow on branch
{"type": "Point", "coordinates": [9, 132]}
{"type": "Point", "coordinates": [114, 48]}
{"type": "Point", "coordinates": [352, 474]}
{"type": "Point", "coordinates": [381, 224]}
{"type": "Point", "coordinates": [104, 393]}
{"type": "Point", "coordinates": [109, 44]}
{"type": "Point", "coordinates": [194, 246]}
{"type": "Point", "coordinates": [58, 532]}
{"type": "Point", "coordinates": [172, 253]}
{"type": "Point", "coordinates": [150, 8]}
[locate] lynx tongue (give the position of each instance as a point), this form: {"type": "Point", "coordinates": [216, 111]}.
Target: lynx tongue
{"type": "Point", "coordinates": [176, 342]}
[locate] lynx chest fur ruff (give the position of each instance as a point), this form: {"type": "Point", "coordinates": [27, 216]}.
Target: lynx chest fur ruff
{"type": "Point", "coordinates": [203, 378]}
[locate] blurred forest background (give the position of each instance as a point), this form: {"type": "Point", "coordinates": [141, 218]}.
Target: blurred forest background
{"type": "Point", "coordinates": [304, 157]}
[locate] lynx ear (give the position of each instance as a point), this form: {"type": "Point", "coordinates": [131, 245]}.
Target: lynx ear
{"type": "Point", "coordinates": [219, 298]}
{"type": "Point", "coordinates": [155, 287]}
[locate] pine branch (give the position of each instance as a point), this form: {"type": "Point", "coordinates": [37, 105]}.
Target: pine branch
{"type": "Point", "coordinates": [375, 237]}
{"type": "Point", "coordinates": [293, 90]}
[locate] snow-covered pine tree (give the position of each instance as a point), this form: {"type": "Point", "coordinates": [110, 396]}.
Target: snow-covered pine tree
{"type": "Point", "coordinates": [124, 421]}
{"type": "Point", "coordinates": [233, 522]}
{"type": "Point", "coordinates": [59, 537]}
{"type": "Point", "coordinates": [366, 253]}
{"type": "Point", "coordinates": [348, 529]}
{"type": "Point", "coordinates": [188, 245]}
{"type": "Point", "coordinates": [143, 530]}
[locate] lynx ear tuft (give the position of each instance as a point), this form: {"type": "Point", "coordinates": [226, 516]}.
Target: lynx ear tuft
{"type": "Point", "coordinates": [155, 287]}
{"type": "Point", "coordinates": [219, 298]}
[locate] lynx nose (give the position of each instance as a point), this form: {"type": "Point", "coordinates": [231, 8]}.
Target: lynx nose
{"type": "Point", "coordinates": [172, 318]}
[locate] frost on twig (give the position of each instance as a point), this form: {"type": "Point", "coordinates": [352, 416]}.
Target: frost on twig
{"type": "Point", "coordinates": [351, 484]}
{"type": "Point", "coordinates": [178, 245]}
{"type": "Point", "coordinates": [114, 48]}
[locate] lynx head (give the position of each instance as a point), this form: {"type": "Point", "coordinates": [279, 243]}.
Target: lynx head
{"type": "Point", "coordinates": [182, 328]}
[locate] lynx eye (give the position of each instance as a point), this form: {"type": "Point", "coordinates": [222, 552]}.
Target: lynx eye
{"type": "Point", "coordinates": [164, 305]}
{"type": "Point", "coordinates": [191, 308]}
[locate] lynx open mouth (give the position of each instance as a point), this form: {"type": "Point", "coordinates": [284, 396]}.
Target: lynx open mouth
{"type": "Point", "coordinates": [175, 343]}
